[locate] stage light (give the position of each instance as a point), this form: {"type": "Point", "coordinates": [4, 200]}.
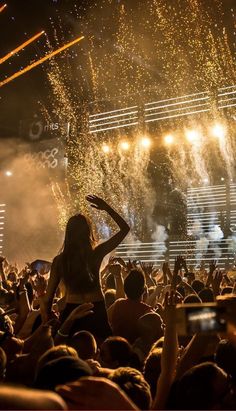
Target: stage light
{"type": "Point", "coordinates": [8, 173]}
{"type": "Point", "coordinates": [145, 142]}
{"type": "Point", "coordinates": [169, 139]}
{"type": "Point", "coordinates": [106, 149]}
{"type": "Point", "coordinates": [124, 145]}
{"type": "Point", "coordinates": [218, 130]}
{"type": "Point", "coordinates": [222, 179]}
{"type": "Point", "coordinates": [192, 135]}
{"type": "Point", "coordinates": [205, 181]}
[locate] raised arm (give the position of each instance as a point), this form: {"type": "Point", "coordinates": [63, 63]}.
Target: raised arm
{"type": "Point", "coordinates": [109, 245]}
{"type": "Point", "coordinates": [169, 353]}
{"type": "Point", "coordinates": [2, 272]}
{"type": "Point", "coordinates": [47, 300]}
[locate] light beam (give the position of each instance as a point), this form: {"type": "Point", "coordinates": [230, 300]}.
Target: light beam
{"type": "Point", "coordinates": [3, 7]}
{"type": "Point", "coordinates": [26, 43]}
{"type": "Point", "coordinates": [40, 61]}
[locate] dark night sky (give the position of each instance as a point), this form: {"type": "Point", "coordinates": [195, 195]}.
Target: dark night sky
{"type": "Point", "coordinates": [21, 20]}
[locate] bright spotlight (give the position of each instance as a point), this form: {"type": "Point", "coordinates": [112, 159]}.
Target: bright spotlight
{"type": "Point", "coordinates": [205, 181]}
{"type": "Point", "coordinates": [218, 130]}
{"type": "Point", "coordinates": [145, 142]}
{"type": "Point", "coordinates": [124, 145]}
{"type": "Point", "coordinates": [106, 149]}
{"type": "Point", "coordinates": [8, 173]}
{"type": "Point", "coordinates": [192, 135]}
{"type": "Point", "coordinates": [222, 179]}
{"type": "Point", "coordinates": [169, 139]}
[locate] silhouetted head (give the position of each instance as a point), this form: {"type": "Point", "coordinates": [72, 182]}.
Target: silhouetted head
{"type": "Point", "coordinates": [150, 327]}
{"type": "Point", "coordinates": [78, 232]}
{"type": "Point", "coordinates": [132, 382]}
{"type": "Point", "coordinates": [55, 352]}
{"type": "Point", "coordinates": [197, 285]}
{"type": "Point", "coordinates": [225, 357]}
{"type": "Point", "coordinates": [181, 290]}
{"type": "Point", "coordinates": [134, 284]}
{"type": "Point", "coordinates": [115, 352]}
{"type": "Point", "coordinates": [12, 276]}
{"type": "Point", "coordinates": [204, 387]}
{"type": "Point", "coordinates": [85, 344]}
{"type": "Point", "coordinates": [206, 295]}
{"type": "Point", "coordinates": [61, 371]}
{"type": "Point", "coordinates": [226, 290]}
{"type": "Point", "coordinates": [192, 298]}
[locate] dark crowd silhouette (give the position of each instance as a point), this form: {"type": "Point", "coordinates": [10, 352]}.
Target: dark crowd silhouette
{"type": "Point", "coordinates": [125, 335]}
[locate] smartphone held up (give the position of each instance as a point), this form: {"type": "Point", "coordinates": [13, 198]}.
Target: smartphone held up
{"type": "Point", "coordinates": [200, 318]}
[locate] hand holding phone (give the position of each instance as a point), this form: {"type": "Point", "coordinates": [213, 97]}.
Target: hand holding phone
{"type": "Point", "coordinates": [200, 318]}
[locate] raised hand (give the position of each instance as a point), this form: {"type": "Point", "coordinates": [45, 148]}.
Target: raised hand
{"type": "Point", "coordinates": [97, 202]}
{"type": "Point", "coordinates": [177, 267]}
{"type": "Point", "coordinates": [130, 265]}
{"type": "Point", "coordinates": [165, 267]}
{"type": "Point", "coordinates": [53, 323]}
{"type": "Point", "coordinates": [115, 269]}
{"type": "Point", "coordinates": [216, 282]}
{"type": "Point", "coordinates": [81, 311]}
{"type": "Point", "coordinates": [2, 259]}
{"type": "Point", "coordinates": [184, 265]}
{"type": "Point", "coordinates": [25, 275]}
{"type": "Point", "coordinates": [40, 285]}
{"type": "Point", "coordinates": [212, 266]}
{"type": "Point", "coordinates": [147, 268]}
{"type": "Point", "coordinates": [178, 264]}
{"type": "Point", "coordinates": [227, 280]}
{"type": "Point", "coordinates": [118, 260]}
{"type": "Point", "coordinates": [169, 353]}
{"type": "Point", "coordinates": [170, 301]}
{"type": "Point", "coordinates": [2, 264]}
{"type": "Point", "coordinates": [94, 365]}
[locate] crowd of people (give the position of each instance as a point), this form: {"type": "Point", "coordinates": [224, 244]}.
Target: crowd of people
{"type": "Point", "coordinates": [83, 336]}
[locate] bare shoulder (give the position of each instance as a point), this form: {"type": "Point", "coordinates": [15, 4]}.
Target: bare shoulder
{"type": "Point", "coordinates": [114, 308]}
{"type": "Point", "coordinates": [57, 258]}
{"type": "Point", "coordinates": [119, 302]}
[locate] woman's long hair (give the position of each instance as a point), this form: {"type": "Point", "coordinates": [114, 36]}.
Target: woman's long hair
{"type": "Point", "coordinates": [78, 244]}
